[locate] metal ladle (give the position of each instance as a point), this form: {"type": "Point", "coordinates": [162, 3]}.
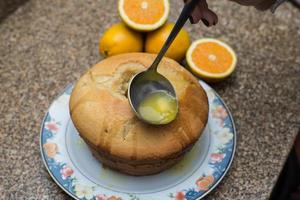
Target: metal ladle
{"type": "Point", "coordinates": [149, 81]}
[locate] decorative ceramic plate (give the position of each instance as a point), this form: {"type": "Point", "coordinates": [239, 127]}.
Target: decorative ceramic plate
{"type": "Point", "coordinates": [72, 166]}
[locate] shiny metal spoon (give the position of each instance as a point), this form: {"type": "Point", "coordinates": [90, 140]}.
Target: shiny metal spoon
{"type": "Point", "coordinates": [149, 81]}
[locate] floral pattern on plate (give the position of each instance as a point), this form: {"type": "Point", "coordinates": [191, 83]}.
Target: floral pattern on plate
{"type": "Point", "coordinates": [202, 179]}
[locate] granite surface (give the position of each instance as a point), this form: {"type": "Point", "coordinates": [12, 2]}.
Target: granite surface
{"type": "Point", "coordinates": [45, 45]}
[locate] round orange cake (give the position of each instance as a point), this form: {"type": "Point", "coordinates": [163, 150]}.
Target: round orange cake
{"type": "Point", "coordinates": [101, 113]}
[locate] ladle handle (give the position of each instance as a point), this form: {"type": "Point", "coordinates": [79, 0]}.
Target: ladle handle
{"type": "Point", "coordinates": [183, 17]}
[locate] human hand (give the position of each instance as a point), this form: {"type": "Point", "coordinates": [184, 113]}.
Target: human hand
{"type": "Point", "coordinates": [209, 18]}
{"type": "Point", "coordinates": [259, 4]}
{"type": "Point", "coordinates": [203, 13]}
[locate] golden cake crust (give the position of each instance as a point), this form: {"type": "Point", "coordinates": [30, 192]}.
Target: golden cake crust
{"type": "Point", "coordinates": [102, 114]}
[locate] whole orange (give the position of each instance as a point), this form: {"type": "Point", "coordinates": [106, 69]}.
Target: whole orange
{"type": "Point", "coordinates": [156, 39]}
{"type": "Point", "coordinates": [120, 39]}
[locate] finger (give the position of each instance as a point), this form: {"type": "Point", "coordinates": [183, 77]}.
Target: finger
{"type": "Point", "coordinates": [209, 18]}
{"type": "Point", "coordinates": [195, 16]}
{"type": "Point", "coordinates": [202, 12]}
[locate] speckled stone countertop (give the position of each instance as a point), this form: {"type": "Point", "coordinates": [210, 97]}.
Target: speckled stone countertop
{"type": "Point", "coordinates": [45, 45]}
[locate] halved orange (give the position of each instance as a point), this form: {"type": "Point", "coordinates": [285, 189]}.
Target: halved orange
{"type": "Point", "coordinates": [211, 59]}
{"type": "Point", "coordinates": [144, 15]}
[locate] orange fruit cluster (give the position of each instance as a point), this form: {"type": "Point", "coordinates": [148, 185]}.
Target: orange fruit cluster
{"type": "Point", "coordinates": [143, 19]}
{"type": "Point", "coordinates": [144, 28]}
